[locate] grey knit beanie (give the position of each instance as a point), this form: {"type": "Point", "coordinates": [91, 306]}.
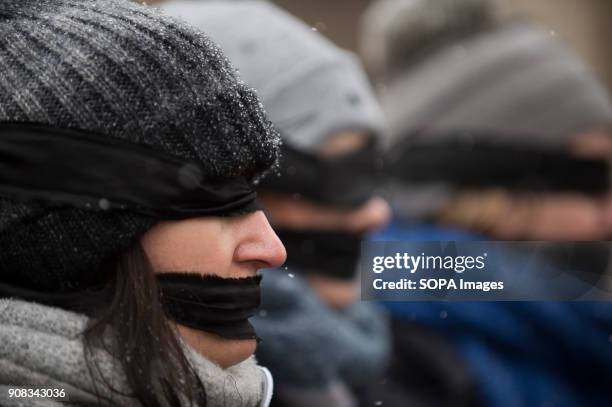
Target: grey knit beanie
{"type": "Point", "coordinates": [310, 88]}
{"type": "Point", "coordinates": [395, 33]}
{"type": "Point", "coordinates": [514, 80]}
{"type": "Point", "coordinates": [511, 81]}
{"type": "Point", "coordinates": [124, 72]}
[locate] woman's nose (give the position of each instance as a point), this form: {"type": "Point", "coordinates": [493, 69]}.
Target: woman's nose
{"type": "Point", "coordinates": [259, 243]}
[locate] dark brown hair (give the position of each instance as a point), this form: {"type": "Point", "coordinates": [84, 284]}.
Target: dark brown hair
{"type": "Point", "coordinates": [142, 339]}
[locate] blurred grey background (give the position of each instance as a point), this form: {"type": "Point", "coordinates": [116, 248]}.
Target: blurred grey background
{"type": "Point", "coordinates": [584, 25]}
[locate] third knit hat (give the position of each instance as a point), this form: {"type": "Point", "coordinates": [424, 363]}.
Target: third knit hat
{"type": "Point", "coordinates": [310, 88]}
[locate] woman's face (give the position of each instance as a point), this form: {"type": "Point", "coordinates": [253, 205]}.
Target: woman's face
{"type": "Point", "coordinates": [301, 214]}
{"type": "Point", "coordinates": [544, 216]}
{"type": "Point", "coordinates": [229, 247]}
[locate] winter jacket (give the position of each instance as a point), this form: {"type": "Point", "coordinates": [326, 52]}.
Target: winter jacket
{"type": "Point", "coordinates": [519, 353]}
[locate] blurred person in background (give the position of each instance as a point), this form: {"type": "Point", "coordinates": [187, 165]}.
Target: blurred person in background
{"type": "Point", "coordinates": [321, 343]}
{"type": "Point", "coordinates": [497, 131]}
{"type": "Point", "coordinates": [514, 86]}
{"type": "Point", "coordinates": [129, 234]}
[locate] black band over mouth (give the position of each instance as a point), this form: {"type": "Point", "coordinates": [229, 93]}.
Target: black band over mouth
{"type": "Point", "coordinates": [76, 168]}
{"type": "Point", "coordinates": [306, 248]}
{"type": "Point", "coordinates": [221, 306]}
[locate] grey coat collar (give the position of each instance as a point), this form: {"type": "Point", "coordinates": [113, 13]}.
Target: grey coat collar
{"type": "Point", "coordinates": [41, 347]}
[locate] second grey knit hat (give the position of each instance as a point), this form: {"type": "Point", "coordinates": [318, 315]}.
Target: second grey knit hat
{"type": "Point", "coordinates": [124, 72]}
{"type": "Point", "coordinates": [512, 78]}
{"type": "Point", "coordinates": [515, 81]}
{"type": "Point", "coordinates": [310, 88]}
{"type": "Point", "coordinates": [511, 82]}
{"type": "Point", "coordinates": [395, 33]}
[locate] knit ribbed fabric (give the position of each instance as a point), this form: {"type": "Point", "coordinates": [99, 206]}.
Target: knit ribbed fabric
{"type": "Point", "coordinates": [514, 81]}
{"type": "Point", "coordinates": [395, 33]}
{"type": "Point", "coordinates": [42, 346]}
{"type": "Point", "coordinates": [310, 88]}
{"type": "Point", "coordinates": [125, 72]}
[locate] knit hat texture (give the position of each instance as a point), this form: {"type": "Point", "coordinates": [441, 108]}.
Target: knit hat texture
{"type": "Point", "coordinates": [310, 88]}
{"type": "Point", "coordinates": [510, 81]}
{"type": "Point", "coordinates": [124, 72]}
{"type": "Point", "coordinates": [394, 33]}
{"type": "Point", "coordinates": [515, 81]}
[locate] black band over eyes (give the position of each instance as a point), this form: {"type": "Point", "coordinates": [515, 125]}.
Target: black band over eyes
{"type": "Point", "coordinates": [345, 182]}
{"type": "Point", "coordinates": [476, 163]}
{"type": "Point", "coordinates": [71, 167]}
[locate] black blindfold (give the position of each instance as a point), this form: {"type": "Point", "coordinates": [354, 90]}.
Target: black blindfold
{"type": "Point", "coordinates": [70, 167]}
{"type": "Point", "coordinates": [346, 181]}
{"type": "Point", "coordinates": [481, 164]}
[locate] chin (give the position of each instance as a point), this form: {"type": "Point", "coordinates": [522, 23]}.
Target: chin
{"type": "Point", "coordinates": [222, 351]}
{"type": "Point", "coordinates": [237, 351]}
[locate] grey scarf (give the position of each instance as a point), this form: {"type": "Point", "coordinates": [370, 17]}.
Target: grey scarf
{"type": "Point", "coordinates": [41, 347]}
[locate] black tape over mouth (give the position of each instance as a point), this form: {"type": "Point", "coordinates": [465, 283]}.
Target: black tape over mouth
{"type": "Point", "coordinates": [221, 306]}
{"type": "Point", "coordinates": [331, 254]}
